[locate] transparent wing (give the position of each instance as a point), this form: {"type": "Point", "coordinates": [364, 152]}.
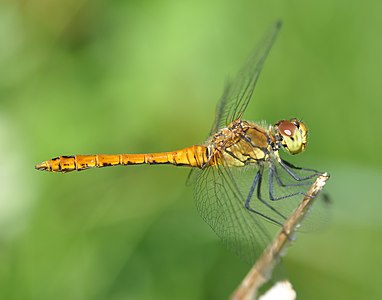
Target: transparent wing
{"type": "Point", "coordinates": [220, 203]}
{"type": "Point", "coordinates": [238, 92]}
{"type": "Point", "coordinates": [221, 194]}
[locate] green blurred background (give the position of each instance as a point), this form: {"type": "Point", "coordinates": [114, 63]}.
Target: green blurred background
{"type": "Point", "coordinates": [84, 77]}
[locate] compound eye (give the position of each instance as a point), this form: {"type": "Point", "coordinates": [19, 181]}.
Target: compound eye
{"type": "Point", "coordinates": [287, 128]}
{"type": "Point", "coordinates": [292, 135]}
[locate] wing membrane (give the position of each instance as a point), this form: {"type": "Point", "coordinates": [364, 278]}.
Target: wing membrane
{"type": "Point", "coordinates": [238, 92]}
{"type": "Point", "coordinates": [221, 194]}
{"type": "Point", "coordinates": [221, 205]}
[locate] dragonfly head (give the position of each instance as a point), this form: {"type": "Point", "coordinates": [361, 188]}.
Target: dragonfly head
{"type": "Point", "coordinates": [292, 135]}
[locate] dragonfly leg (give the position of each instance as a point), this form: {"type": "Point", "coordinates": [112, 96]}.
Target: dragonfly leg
{"type": "Point", "coordinates": [273, 173]}
{"type": "Point", "coordinates": [282, 184]}
{"type": "Point", "coordinates": [288, 166]}
{"type": "Point", "coordinates": [257, 185]}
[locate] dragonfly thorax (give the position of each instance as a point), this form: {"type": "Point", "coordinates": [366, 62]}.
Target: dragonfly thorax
{"type": "Point", "coordinates": [241, 143]}
{"type": "Point", "coordinates": [292, 135]}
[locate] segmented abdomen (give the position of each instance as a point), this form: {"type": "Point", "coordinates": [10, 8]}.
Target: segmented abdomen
{"type": "Point", "coordinates": [194, 156]}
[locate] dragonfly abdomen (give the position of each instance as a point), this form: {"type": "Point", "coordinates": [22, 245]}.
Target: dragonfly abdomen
{"type": "Point", "coordinates": [194, 156]}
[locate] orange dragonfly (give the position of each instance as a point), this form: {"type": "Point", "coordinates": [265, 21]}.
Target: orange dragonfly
{"type": "Point", "coordinates": [241, 184]}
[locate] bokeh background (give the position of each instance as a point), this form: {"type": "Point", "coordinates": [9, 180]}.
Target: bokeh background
{"type": "Point", "coordinates": [84, 77]}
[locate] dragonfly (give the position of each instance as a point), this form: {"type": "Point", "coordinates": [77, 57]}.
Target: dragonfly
{"type": "Point", "coordinates": [242, 186]}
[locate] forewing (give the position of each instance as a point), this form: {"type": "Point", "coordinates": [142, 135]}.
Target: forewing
{"type": "Point", "coordinates": [238, 92]}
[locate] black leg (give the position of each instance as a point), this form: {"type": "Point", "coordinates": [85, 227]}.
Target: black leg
{"type": "Point", "coordinates": [288, 166]}
{"type": "Point", "coordinates": [257, 185]}
{"type": "Point", "coordinates": [252, 189]}
{"type": "Point", "coordinates": [282, 184]}
{"type": "Point", "coordinates": [273, 171]}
